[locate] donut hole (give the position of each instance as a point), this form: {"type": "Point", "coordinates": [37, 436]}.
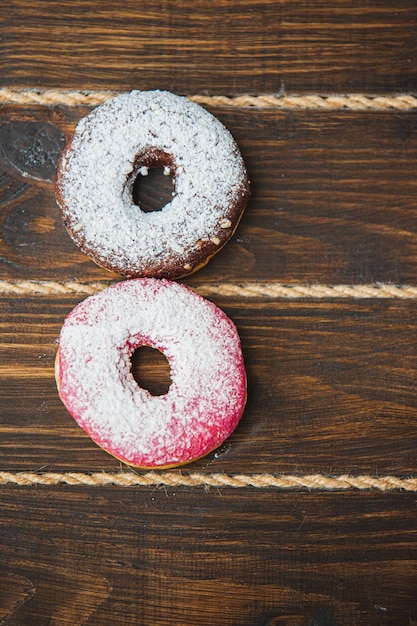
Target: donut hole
{"type": "Point", "coordinates": [151, 370]}
{"type": "Point", "coordinates": [152, 188]}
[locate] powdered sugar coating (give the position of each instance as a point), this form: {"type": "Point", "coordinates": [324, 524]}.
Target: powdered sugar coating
{"type": "Point", "coordinates": [207, 394]}
{"type": "Point", "coordinates": [126, 135]}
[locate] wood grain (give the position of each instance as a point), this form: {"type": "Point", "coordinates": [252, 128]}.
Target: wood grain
{"type": "Point", "coordinates": [177, 556]}
{"type": "Point", "coordinates": [216, 47]}
{"type": "Point", "coordinates": [333, 198]}
{"type": "Point", "coordinates": [332, 383]}
{"type": "Point", "coordinates": [15, 590]}
{"type": "Point", "coordinates": [331, 389]}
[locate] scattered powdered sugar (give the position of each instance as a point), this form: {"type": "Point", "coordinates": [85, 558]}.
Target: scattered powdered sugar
{"type": "Point", "coordinates": [209, 179]}
{"type": "Point", "coordinates": [207, 394]}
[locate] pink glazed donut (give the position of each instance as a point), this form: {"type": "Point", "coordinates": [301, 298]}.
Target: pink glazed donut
{"type": "Point", "coordinates": [207, 395]}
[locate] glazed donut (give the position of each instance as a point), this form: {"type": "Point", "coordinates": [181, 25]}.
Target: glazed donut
{"type": "Point", "coordinates": [123, 138]}
{"type": "Point", "coordinates": [207, 394]}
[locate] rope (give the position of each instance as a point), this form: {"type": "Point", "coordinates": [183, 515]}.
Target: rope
{"type": "Point", "coordinates": [50, 288]}
{"type": "Point", "coordinates": [353, 102]}
{"type": "Point", "coordinates": [246, 290]}
{"type": "Point", "coordinates": [278, 290]}
{"type": "Point", "coordinates": [177, 479]}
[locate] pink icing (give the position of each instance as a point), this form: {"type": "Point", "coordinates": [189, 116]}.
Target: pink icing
{"type": "Point", "coordinates": [207, 394]}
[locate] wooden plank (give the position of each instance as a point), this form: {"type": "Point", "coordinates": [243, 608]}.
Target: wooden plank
{"type": "Point", "coordinates": [248, 46]}
{"type": "Point", "coordinates": [174, 557]}
{"type": "Point", "coordinates": [331, 389]}
{"type": "Point", "coordinates": [333, 198]}
{"type": "Point", "coordinates": [332, 383]}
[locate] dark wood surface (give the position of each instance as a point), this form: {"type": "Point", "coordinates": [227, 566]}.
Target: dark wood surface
{"type": "Point", "coordinates": [125, 557]}
{"type": "Point", "coordinates": [331, 388]}
{"type": "Point", "coordinates": [333, 198]}
{"type": "Point", "coordinates": [247, 46]}
{"type": "Point", "coordinates": [332, 382]}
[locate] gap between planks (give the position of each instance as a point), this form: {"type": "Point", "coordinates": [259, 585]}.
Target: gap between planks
{"type": "Point", "coordinates": [246, 290]}
{"type": "Point", "coordinates": [353, 102]}
{"type": "Point", "coordinates": [313, 482]}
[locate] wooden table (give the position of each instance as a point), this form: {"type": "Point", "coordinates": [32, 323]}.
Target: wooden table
{"type": "Point", "coordinates": [306, 516]}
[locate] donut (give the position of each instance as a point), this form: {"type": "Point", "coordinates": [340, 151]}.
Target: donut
{"type": "Point", "coordinates": [207, 394]}
{"type": "Point", "coordinates": [119, 141]}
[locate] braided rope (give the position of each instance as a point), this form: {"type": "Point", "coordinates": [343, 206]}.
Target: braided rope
{"type": "Point", "coordinates": [177, 479]}
{"type": "Point", "coordinates": [278, 290]}
{"type": "Point", "coordinates": [247, 290]}
{"type": "Point", "coordinates": [354, 102]}
{"type": "Point", "coordinates": [50, 288]}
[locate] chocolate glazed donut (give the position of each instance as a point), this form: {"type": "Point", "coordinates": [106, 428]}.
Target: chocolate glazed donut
{"type": "Point", "coordinates": [99, 166]}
